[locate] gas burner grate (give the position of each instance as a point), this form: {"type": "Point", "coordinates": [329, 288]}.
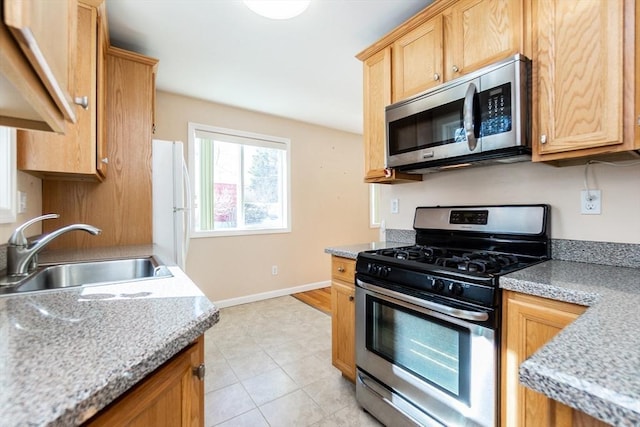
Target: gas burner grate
{"type": "Point", "coordinates": [426, 254]}
{"type": "Point", "coordinates": [481, 262]}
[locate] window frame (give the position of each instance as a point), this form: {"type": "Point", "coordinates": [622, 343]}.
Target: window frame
{"type": "Point", "coordinates": [286, 142]}
{"type": "Point", "coordinates": [8, 192]}
{"type": "Point", "coordinates": [374, 206]}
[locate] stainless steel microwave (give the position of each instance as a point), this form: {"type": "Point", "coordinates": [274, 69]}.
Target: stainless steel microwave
{"type": "Point", "coordinates": [482, 117]}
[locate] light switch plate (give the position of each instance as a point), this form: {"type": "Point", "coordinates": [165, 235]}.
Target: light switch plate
{"type": "Point", "coordinates": [395, 206]}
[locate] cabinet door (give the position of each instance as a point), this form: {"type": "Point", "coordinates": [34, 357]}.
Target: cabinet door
{"type": "Point", "coordinates": [343, 322]}
{"type": "Point", "coordinates": [171, 396]}
{"type": "Point", "coordinates": [377, 95]}
{"type": "Point", "coordinates": [482, 32]}
{"type": "Point", "coordinates": [73, 155]}
{"type": "Point", "coordinates": [417, 60]}
{"type": "Point", "coordinates": [530, 322]}
{"type": "Point", "coordinates": [46, 33]}
{"type": "Point", "coordinates": [578, 48]}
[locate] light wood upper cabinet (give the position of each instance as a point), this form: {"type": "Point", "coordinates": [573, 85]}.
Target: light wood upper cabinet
{"type": "Point", "coordinates": [121, 205]}
{"type": "Point", "coordinates": [528, 323]}
{"type": "Point", "coordinates": [584, 59]}
{"type": "Point", "coordinates": [37, 61]}
{"type": "Point", "coordinates": [467, 36]}
{"type": "Point", "coordinates": [343, 316]}
{"type": "Point", "coordinates": [446, 40]}
{"type": "Point", "coordinates": [377, 95]}
{"type": "Point", "coordinates": [481, 33]}
{"type": "Point", "coordinates": [418, 60]}
{"type": "Point", "coordinates": [80, 154]}
{"type": "Point", "coordinates": [172, 396]}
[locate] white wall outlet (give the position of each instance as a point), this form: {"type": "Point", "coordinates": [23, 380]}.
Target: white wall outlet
{"type": "Point", "coordinates": [395, 206]}
{"type": "Point", "coordinates": [22, 202]}
{"type": "Point", "coordinates": [590, 202]}
{"type": "Point", "coordinates": [274, 270]}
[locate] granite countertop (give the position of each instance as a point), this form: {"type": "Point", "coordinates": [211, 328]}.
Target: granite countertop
{"type": "Point", "coordinates": [68, 353]}
{"type": "Point", "coordinates": [592, 365]}
{"type": "Point", "coordinates": [351, 251]}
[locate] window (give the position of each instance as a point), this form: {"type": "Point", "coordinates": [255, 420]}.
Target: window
{"type": "Point", "coordinates": [240, 182]}
{"type": "Point", "coordinates": [7, 175]}
{"type": "Point", "coordinates": [374, 205]}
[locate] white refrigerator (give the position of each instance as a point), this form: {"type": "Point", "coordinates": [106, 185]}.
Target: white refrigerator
{"type": "Point", "coordinates": [171, 200]}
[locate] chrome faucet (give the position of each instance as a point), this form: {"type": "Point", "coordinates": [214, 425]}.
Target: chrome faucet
{"type": "Point", "coordinates": [22, 255]}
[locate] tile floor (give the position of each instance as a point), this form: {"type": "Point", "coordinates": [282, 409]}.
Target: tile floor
{"type": "Point", "coordinates": [269, 364]}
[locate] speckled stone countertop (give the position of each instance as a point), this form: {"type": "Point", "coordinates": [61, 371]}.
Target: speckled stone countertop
{"type": "Point", "coordinates": [592, 365]}
{"type": "Point", "coordinates": [351, 251]}
{"type": "Point", "coordinates": [66, 354]}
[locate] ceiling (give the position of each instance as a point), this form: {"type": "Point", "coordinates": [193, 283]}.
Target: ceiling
{"type": "Point", "coordinates": [218, 50]}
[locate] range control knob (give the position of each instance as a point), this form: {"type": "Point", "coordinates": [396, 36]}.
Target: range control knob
{"type": "Point", "coordinates": [438, 285]}
{"type": "Point", "coordinates": [455, 289]}
{"type": "Point", "coordinates": [384, 271]}
{"type": "Point", "coordinates": [371, 268]}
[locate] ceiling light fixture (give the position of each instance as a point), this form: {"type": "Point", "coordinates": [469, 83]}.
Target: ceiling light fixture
{"type": "Point", "coordinates": [278, 9]}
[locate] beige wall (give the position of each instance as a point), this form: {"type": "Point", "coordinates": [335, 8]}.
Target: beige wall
{"type": "Point", "coordinates": [329, 203]}
{"type": "Point", "coordinates": [33, 187]}
{"type": "Point", "coordinates": [532, 183]}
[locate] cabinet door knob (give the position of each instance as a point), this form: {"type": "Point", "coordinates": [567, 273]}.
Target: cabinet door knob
{"type": "Point", "coordinates": [455, 68]}
{"type": "Point", "coordinates": [82, 101]}
{"type": "Point", "coordinates": [200, 371]}
{"type": "Point", "coordinates": [105, 160]}
{"type": "Point", "coordinates": [543, 139]}
{"type": "Point", "coordinates": [341, 269]}
{"type": "Point", "coordinates": [351, 298]}
{"type": "Point", "coordinates": [436, 76]}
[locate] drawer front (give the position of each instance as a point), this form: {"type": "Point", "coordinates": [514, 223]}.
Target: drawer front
{"type": "Point", "coordinates": [343, 269]}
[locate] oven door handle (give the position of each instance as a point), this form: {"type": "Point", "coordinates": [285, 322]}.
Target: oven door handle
{"type": "Point", "coordinates": [430, 305]}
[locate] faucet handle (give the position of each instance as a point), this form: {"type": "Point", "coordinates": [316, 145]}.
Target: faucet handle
{"type": "Point", "coordinates": [17, 237]}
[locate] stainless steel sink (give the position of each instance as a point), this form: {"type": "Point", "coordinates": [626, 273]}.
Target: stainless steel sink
{"type": "Point", "coordinates": [87, 273]}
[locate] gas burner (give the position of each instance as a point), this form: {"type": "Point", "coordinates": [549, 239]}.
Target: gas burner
{"type": "Point", "coordinates": [479, 262]}
{"type": "Point", "coordinates": [418, 253]}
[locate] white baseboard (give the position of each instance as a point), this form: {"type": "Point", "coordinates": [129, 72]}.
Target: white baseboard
{"type": "Point", "coordinates": [272, 294]}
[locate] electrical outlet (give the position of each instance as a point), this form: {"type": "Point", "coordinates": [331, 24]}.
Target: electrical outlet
{"type": "Point", "coordinates": [590, 202]}
{"type": "Point", "coordinates": [274, 270]}
{"type": "Point", "coordinates": [394, 206]}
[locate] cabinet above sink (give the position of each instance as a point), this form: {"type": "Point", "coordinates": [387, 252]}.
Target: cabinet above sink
{"type": "Point", "coordinates": [81, 153]}
{"type": "Point", "coordinates": [37, 59]}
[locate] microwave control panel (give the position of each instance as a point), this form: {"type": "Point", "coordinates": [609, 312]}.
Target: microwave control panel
{"type": "Point", "coordinates": [495, 109]}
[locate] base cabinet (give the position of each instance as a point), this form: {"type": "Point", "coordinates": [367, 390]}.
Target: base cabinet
{"type": "Point", "coordinates": [343, 316]}
{"type": "Point", "coordinates": [172, 396]}
{"type": "Point", "coordinates": [529, 322]}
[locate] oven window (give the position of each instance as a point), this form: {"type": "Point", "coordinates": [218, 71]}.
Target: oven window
{"type": "Point", "coordinates": [435, 351]}
{"type": "Point", "coordinates": [438, 126]}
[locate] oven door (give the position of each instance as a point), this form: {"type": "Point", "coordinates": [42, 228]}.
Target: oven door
{"type": "Point", "coordinates": [411, 354]}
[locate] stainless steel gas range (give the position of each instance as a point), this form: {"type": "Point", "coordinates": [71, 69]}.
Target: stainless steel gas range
{"type": "Point", "coordinates": [428, 315]}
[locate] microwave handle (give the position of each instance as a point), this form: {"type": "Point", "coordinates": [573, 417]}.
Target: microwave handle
{"type": "Point", "coordinates": [467, 113]}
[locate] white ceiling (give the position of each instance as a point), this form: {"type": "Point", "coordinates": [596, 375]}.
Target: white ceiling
{"type": "Point", "coordinates": [219, 50]}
